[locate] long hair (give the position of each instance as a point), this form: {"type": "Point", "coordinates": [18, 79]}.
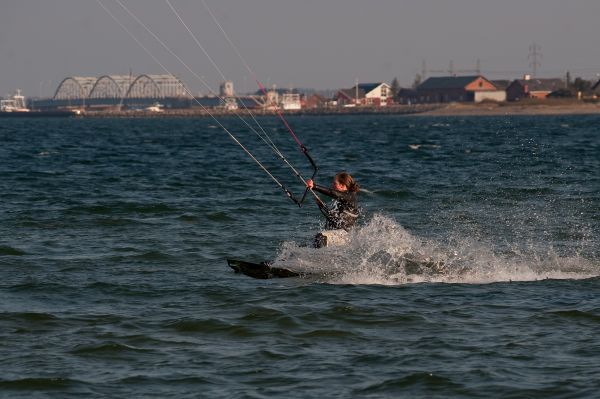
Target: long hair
{"type": "Point", "coordinates": [347, 180]}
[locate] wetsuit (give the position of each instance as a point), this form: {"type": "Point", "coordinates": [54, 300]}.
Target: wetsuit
{"type": "Point", "coordinates": [344, 211]}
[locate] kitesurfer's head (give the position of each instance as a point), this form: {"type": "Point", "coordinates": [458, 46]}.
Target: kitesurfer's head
{"type": "Point", "coordinates": [345, 182]}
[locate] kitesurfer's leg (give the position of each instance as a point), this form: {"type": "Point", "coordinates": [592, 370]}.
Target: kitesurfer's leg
{"type": "Point", "coordinates": [320, 241]}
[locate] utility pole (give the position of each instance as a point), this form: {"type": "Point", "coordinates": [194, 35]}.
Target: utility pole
{"type": "Point", "coordinates": [534, 56]}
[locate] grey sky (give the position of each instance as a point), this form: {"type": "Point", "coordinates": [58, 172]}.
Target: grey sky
{"type": "Point", "coordinates": [302, 43]}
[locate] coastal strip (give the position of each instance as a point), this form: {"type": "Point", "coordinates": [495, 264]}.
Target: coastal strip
{"type": "Point", "coordinates": [451, 109]}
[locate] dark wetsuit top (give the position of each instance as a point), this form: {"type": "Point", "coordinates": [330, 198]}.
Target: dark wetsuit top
{"type": "Point", "coordinates": [344, 211]}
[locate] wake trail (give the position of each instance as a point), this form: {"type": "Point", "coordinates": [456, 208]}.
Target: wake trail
{"type": "Point", "coordinates": [383, 252]}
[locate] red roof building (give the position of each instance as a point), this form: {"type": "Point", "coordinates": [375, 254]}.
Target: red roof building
{"type": "Point", "coordinates": [444, 89]}
{"type": "Point", "coordinates": [521, 89]}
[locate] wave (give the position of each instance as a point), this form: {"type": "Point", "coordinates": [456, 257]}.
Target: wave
{"type": "Point", "coordinates": [121, 207]}
{"type": "Point", "coordinates": [211, 326]}
{"type": "Point", "coordinates": [142, 255]}
{"type": "Point", "coordinates": [219, 217]}
{"type": "Point", "coordinates": [108, 348]}
{"type": "Point", "coordinates": [576, 316]}
{"type": "Point", "coordinates": [383, 252]}
{"type": "Point", "coordinates": [419, 379]}
{"type": "Point", "coordinates": [37, 383]}
{"type": "Point", "coordinates": [28, 316]}
{"type": "Point", "coordinates": [328, 334]}
{"type": "Point", "coordinates": [11, 251]}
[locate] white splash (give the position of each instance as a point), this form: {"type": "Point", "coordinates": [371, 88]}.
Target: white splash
{"type": "Point", "coordinates": [383, 252]}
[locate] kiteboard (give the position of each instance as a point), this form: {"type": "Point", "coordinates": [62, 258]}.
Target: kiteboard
{"type": "Point", "coordinates": [262, 270]}
{"type": "Point", "coordinates": [411, 265]}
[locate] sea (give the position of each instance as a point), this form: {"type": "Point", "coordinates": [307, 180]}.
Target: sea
{"type": "Point", "coordinates": [114, 237]}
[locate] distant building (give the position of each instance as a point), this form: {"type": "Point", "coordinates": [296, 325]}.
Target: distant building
{"type": "Point", "coordinates": [250, 102]}
{"type": "Point", "coordinates": [407, 96]}
{"type": "Point", "coordinates": [291, 101]}
{"type": "Point", "coordinates": [272, 99]}
{"type": "Point", "coordinates": [446, 89]}
{"type": "Point", "coordinates": [374, 94]}
{"type": "Point", "coordinates": [501, 84]}
{"type": "Point", "coordinates": [532, 88]}
{"type": "Point", "coordinates": [596, 90]}
{"type": "Point", "coordinates": [315, 101]}
{"type": "Point", "coordinates": [207, 102]}
{"type": "Point", "coordinates": [226, 89]}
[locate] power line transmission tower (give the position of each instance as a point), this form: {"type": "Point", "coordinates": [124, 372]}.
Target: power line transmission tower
{"type": "Point", "coordinates": [534, 57]}
{"type": "Point", "coordinates": [453, 71]}
{"type": "Point", "coordinates": [477, 69]}
{"type": "Point", "coordinates": [450, 69]}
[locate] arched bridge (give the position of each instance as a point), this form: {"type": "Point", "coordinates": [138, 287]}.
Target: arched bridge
{"type": "Point", "coordinates": [121, 87]}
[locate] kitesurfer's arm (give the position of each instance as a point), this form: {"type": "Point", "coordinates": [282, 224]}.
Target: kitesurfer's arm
{"type": "Point", "coordinates": [310, 184]}
{"type": "Point", "coordinates": [324, 190]}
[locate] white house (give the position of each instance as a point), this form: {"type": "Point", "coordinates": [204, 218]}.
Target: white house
{"type": "Point", "coordinates": [374, 94]}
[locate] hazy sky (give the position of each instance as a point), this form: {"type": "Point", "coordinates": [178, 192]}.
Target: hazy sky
{"type": "Point", "coordinates": [325, 44]}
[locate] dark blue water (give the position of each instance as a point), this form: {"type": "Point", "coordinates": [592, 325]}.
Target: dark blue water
{"type": "Point", "coordinates": [114, 235]}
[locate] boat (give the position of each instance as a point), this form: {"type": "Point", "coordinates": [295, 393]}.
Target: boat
{"type": "Point", "coordinates": [156, 107]}
{"type": "Point", "coordinates": [15, 104]}
{"type": "Point", "coordinates": [16, 107]}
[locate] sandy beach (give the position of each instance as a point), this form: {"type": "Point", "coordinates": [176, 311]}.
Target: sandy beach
{"type": "Point", "coordinates": [549, 108]}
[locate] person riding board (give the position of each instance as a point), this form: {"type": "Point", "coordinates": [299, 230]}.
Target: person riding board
{"type": "Point", "coordinates": [344, 212]}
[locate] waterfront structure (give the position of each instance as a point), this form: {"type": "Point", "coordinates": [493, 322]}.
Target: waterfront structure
{"type": "Point", "coordinates": [75, 88]}
{"type": "Point", "coordinates": [527, 87]}
{"type": "Point", "coordinates": [373, 94]}
{"type": "Point", "coordinates": [226, 89]}
{"type": "Point", "coordinates": [121, 86]}
{"type": "Point", "coordinates": [444, 89]}
{"type": "Point", "coordinates": [118, 91]}
{"type": "Point", "coordinates": [14, 104]}
{"type": "Point", "coordinates": [291, 101]}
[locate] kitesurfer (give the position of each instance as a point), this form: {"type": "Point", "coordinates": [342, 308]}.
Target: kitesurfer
{"type": "Point", "coordinates": [343, 212]}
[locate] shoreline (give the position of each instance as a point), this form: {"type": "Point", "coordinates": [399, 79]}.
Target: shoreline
{"type": "Point", "coordinates": [547, 107]}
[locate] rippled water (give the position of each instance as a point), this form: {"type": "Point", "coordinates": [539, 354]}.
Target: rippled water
{"type": "Point", "coordinates": [114, 237]}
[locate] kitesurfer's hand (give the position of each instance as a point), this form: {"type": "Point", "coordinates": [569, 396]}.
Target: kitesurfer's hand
{"type": "Point", "coordinates": [310, 184]}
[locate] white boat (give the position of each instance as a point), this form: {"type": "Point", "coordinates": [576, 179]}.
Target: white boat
{"type": "Point", "coordinates": [156, 107]}
{"type": "Point", "coordinates": [15, 107]}
{"type": "Point", "coordinates": [15, 104]}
